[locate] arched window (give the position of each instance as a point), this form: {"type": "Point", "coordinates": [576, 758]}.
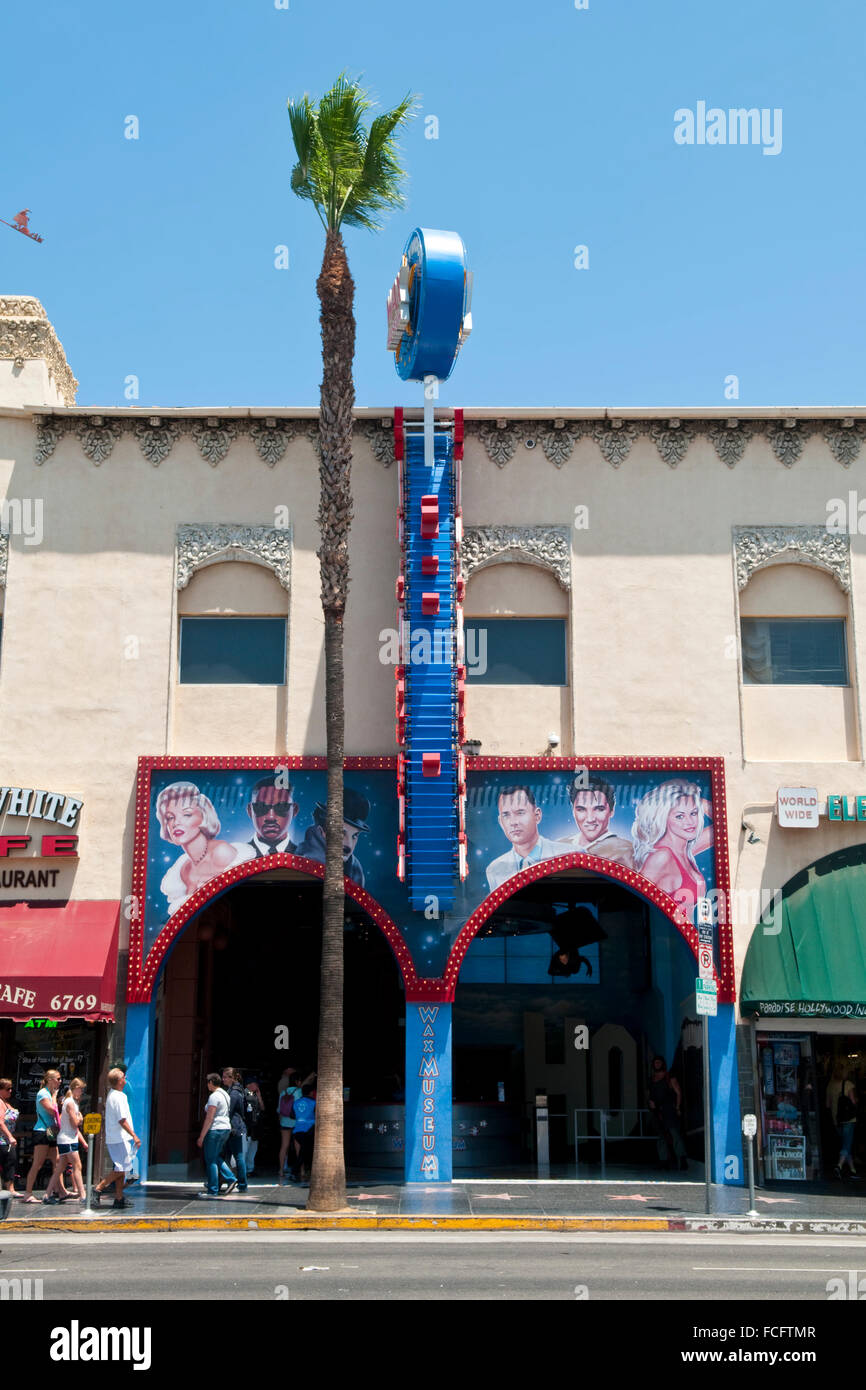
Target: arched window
{"type": "Point", "coordinates": [517, 659]}
{"type": "Point", "coordinates": [516, 619]}
{"type": "Point", "coordinates": [797, 667]}
{"type": "Point", "coordinates": [793, 622]}
{"type": "Point", "coordinates": [233, 619]}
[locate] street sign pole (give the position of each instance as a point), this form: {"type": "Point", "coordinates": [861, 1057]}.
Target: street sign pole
{"type": "Point", "coordinates": [92, 1125]}
{"type": "Point", "coordinates": [750, 1129]}
{"type": "Point", "coordinates": [708, 1115]}
{"type": "Point", "coordinates": [706, 1000]}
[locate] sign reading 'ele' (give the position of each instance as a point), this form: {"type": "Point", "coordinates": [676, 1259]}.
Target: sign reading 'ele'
{"type": "Point", "coordinates": [846, 808]}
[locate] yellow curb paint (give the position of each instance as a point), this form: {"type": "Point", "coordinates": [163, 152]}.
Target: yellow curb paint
{"type": "Point", "coordinates": [352, 1223]}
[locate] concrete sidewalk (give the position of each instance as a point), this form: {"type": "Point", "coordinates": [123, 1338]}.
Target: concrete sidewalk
{"type": "Point", "coordinates": [466, 1204]}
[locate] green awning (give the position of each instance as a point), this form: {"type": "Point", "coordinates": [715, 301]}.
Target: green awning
{"type": "Point", "coordinates": [814, 965]}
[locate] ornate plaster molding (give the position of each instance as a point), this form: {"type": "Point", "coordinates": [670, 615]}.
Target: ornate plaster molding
{"type": "Point", "coordinates": [672, 439]}
{"type": "Point", "coordinates": [26, 334]}
{"type": "Point", "coordinates": [757, 547]}
{"type": "Point", "coordinates": [271, 438]}
{"type": "Point", "coordinates": [614, 439]}
{"type": "Point", "coordinates": [500, 438]}
{"type": "Point", "coordinates": [200, 546]}
{"type": "Point", "coordinates": [380, 437]}
{"type": "Point", "coordinates": [4, 557]}
{"type": "Point", "coordinates": [547, 546]}
{"type": "Point", "coordinates": [156, 438]}
{"type": "Point", "coordinates": [788, 439]}
{"type": "Point", "coordinates": [843, 438]}
{"type": "Point", "coordinates": [98, 436]}
{"type": "Point", "coordinates": [729, 439]}
{"type": "Point", "coordinates": [214, 436]}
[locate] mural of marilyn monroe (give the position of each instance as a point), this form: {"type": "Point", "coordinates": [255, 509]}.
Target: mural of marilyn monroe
{"type": "Point", "coordinates": [187, 818]}
{"type": "Point", "coordinates": [669, 830]}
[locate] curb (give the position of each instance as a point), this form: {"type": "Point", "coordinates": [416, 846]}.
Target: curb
{"type": "Point", "coordinates": [306, 1222]}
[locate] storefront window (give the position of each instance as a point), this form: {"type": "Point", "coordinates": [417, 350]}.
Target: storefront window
{"type": "Point", "coordinates": [30, 1049]}
{"type": "Point", "coordinates": [789, 1107]}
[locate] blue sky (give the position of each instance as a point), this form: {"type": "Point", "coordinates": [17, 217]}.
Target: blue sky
{"type": "Point", "coordinates": [556, 129]}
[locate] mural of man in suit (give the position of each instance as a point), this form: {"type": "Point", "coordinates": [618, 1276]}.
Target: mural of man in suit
{"type": "Point", "coordinates": [271, 808]}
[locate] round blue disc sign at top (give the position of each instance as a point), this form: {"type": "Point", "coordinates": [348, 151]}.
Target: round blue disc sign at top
{"type": "Point", "coordinates": [428, 308]}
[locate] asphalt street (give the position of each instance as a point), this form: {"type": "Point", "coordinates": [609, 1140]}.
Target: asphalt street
{"type": "Point", "coordinates": [388, 1266]}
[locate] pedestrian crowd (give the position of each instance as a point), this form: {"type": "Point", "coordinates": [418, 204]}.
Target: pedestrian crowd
{"type": "Point", "coordinates": [229, 1135]}
{"type": "Point", "coordinates": [231, 1125]}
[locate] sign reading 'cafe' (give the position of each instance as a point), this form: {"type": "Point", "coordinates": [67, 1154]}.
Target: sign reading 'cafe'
{"type": "Point", "coordinates": [30, 803]}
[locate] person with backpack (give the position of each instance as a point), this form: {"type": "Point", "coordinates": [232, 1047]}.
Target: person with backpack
{"type": "Point", "coordinates": [288, 1091]}
{"type": "Point", "coordinates": [254, 1109]}
{"type": "Point", "coordinates": [236, 1143]}
{"type": "Point", "coordinates": [214, 1136]}
{"type": "Point", "coordinates": [305, 1130]}
{"type": "Point", "coordinates": [842, 1104]}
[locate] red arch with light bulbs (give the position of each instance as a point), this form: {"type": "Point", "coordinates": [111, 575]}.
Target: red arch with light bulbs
{"type": "Point", "coordinates": [142, 974]}
{"type": "Point", "coordinates": [444, 989]}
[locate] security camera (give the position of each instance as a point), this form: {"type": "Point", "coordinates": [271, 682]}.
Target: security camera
{"type": "Point", "coordinates": [553, 740]}
{"type": "Point", "coordinates": [753, 838]}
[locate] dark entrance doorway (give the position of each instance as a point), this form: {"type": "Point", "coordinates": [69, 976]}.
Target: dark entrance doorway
{"type": "Point", "coordinates": [574, 985]}
{"type": "Point", "coordinates": [244, 973]}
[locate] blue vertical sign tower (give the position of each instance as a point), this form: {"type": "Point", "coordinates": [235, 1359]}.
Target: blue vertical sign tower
{"type": "Point", "coordinates": [428, 321]}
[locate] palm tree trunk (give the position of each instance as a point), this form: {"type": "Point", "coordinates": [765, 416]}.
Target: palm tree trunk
{"type": "Point", "coordinates": [336, 297]}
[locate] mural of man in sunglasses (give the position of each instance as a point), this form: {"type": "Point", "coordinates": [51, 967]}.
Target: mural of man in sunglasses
{"type": "Point", "coordinates": [271, 809]}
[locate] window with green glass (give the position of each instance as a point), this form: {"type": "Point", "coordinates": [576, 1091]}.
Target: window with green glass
{"type": "Point", "coordinates": [794, 651]}
{"type": "Point", "coordinates": [232, 651]}
{"type": "Point", "coordinates": [516, 651]}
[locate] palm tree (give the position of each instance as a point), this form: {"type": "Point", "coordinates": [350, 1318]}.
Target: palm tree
{"type": "Point", "coordinates": [351, 175]}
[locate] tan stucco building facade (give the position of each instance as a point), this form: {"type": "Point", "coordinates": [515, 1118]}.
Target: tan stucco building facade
{"type": "Point", "coordinates": [652, 533]}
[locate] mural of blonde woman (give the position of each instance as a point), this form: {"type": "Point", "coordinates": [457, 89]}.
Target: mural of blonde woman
{"type": "Point", "coordinates": [670, 829]}
{"type": "Point", "coordinates": [187, 818]}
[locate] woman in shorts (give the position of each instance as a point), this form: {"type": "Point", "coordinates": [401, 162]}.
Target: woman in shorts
{"type": "Point", "coordinates": [8, 1142]}
{"type": "Point", "coordinates": [70, 1142]}
{"type": "Point", "coordinates": [43, 1146]}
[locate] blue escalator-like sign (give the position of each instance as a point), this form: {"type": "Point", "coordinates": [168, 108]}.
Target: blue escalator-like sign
{"type": "Point", "coordinates": [431, 714]}
{"type": "Point", "coordinates": [429, 319]}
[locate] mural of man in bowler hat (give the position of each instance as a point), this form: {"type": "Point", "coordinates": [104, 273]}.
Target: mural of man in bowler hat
{"type": "Point", "coordinates": [356, 809]}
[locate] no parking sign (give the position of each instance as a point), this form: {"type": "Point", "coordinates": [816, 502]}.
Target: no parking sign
{"type": "Point", "coordinates": [705, 962]}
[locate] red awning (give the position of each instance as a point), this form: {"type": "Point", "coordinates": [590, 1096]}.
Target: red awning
{"type": "Point", "coordinates": [59, 962]}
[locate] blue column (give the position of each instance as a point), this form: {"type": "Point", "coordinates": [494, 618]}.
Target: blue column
{"type": "Point", "coordinates": [724, 1083]}
{"type": "Point", "coordinates": [428, 1093]}
{"type": "Point", "coordinates": [138, 1052]}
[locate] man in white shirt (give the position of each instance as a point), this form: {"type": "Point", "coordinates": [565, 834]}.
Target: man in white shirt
{"type": "Point", "coordinates": [120, 1139]}
{"type": "Point", "coordinates": [520, 817]}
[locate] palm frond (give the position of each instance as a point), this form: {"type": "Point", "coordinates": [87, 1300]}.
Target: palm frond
{"type": "Point", "coordinates": [350, 173]}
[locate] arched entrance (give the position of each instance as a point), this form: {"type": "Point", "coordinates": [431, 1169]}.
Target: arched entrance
{"type": "Point", "coordinates": [239, 986]}
{"type": "Point", "coordinates": [569, 986]}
